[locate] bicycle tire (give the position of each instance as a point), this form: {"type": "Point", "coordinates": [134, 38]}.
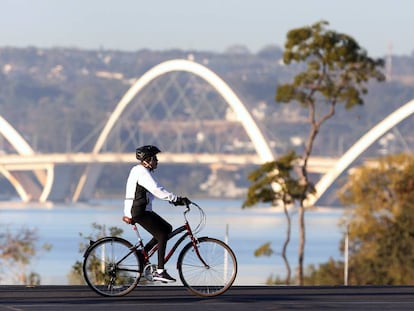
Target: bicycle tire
{"type": "Point", "coordinates": [211, 280]}
{"type": "Point", "coordinates": [112, 267]}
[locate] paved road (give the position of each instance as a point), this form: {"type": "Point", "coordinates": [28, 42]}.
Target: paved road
{"type": "Point", "coordinates": [240, 298]}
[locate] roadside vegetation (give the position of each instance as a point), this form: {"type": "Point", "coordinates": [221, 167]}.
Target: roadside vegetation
{"type": "Point", "coordinates": [379, 226]}
{"type": "Point", "coordinates": [18, 249]}
{"type": "Point", "coordinates": [75, 276]}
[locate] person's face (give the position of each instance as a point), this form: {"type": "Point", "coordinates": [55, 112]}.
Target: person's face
{"type": "Point", "coordinates": [154, 162]}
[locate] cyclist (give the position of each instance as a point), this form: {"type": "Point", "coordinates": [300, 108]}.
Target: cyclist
{"type": "Point", "coordinates": [141, 188]}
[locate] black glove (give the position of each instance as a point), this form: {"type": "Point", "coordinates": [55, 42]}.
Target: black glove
{"type": "Point", "coordinates": [181, 201]}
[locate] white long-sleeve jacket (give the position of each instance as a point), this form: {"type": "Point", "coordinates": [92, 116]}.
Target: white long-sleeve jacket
{"type": "Point", "coordinates": [142, 176]}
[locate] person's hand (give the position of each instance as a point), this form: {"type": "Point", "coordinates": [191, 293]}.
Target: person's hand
{"type": "Point", "coordinates": [182, 201]}
{"type": "Point", "coordinates": [127, 220]}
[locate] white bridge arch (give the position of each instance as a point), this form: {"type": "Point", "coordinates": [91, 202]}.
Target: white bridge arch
{"type": "Point", "coordinates": [254, 133]}
{"type": "Point", "coordinates": [23, 148]}
{"type": "Point", "coordinates": [360, 146]}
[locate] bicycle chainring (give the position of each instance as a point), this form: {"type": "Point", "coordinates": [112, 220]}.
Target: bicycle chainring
{"type": "Point", "coordinates": [149, 271]}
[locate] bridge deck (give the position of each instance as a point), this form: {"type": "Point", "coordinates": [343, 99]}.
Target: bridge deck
{"type": "Point", "coordinates": [14, 162]}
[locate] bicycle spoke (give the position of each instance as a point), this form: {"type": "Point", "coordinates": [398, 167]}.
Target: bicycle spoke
{"type": "Point", "coordinates": [111, 268]}
{"type": "Point", "coordinates": [213, 279]}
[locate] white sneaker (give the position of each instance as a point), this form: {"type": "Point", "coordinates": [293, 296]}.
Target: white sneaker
{"type": "Point", "coordinates": [163, 277]}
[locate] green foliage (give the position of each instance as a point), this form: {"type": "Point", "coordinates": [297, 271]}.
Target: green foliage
{"type": "Point", "coordinates": [380, 226]}
{"type": "Point", "coordinates": [264, 250]}
{"type": "Point", "coordinates": [330, 273]}
{"type": "Point", "coordinates": [273, 182]}
{"type": "Point", "coordinates": [275, 280]}
{"type": "Point", "coordinates": [337, 67]}
{"type": "Point", "coordinates": [381, 222]}
{"type": "Point", "coordinates": [75, 276]}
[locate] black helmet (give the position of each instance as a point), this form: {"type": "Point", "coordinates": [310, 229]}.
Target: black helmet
{"type": "Point", "coordinates": [147, 151]}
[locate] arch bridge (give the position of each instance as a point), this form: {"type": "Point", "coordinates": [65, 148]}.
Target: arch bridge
{"type": "Point", "coordinates": [226, 133]}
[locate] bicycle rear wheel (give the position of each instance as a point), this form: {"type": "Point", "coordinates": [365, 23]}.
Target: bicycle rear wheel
{"type": "Point", "coordinates": [112, 267]}
{"type": "Point", "coordinates": [209, 269]}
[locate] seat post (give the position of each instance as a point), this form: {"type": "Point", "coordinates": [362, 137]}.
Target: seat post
{"type": "Point", "coordinates": [135, 228]}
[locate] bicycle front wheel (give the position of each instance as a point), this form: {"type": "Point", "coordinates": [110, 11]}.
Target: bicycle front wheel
{"type": "Point", "coordinates": [209, 269]}
{"type": "Point", "coordinates": [112, 267]}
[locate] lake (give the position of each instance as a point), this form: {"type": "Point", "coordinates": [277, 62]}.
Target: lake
{"type": "Point", "coordinates": [60, 225]}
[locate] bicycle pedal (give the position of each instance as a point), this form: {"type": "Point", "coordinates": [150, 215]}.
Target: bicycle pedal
{"type": "Point", "coordinates": [149, 270]}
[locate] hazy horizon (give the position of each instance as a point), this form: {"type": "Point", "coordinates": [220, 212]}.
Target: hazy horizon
{"type": "Point", "coordinates": [379, 26]}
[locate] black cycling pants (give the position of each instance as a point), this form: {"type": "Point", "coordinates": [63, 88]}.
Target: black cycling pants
{"type": "Point", "coordinates": [159, 228]}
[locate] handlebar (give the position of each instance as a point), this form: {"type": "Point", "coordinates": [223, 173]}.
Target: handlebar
{"type": "Point", "coordinates": [202, 216]}
{"type": "Point", "coordinates": [187, 206]}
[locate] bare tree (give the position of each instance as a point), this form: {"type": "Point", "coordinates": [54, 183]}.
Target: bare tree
{"type": "Point", "coordinates": [17, 249]}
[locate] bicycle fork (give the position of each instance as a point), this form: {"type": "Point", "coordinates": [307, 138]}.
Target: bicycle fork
{"type": "Point", "coordinates": [195, 243]}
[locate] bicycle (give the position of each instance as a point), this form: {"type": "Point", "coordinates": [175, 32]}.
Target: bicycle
{"type": "Point", "coordinates": [207, 266]}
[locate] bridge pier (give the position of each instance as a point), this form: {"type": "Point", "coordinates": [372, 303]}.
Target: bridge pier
{"type": "Point", "coordinates": [93, 172]}
{"type": "Point", "coordinates": [62, 187]}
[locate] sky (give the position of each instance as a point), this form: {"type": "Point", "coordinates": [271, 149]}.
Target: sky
{"type": "Point", "coordinates": [379, 26]}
